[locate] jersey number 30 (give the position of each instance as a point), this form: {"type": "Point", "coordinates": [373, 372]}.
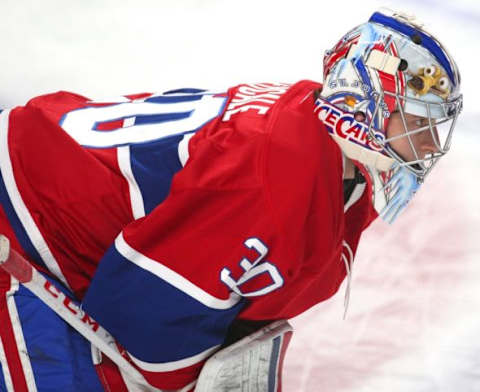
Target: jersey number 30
{"type": "Point", "coordinates": [253, 270]}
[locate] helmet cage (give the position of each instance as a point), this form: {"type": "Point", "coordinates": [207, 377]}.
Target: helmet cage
{"type": "Point", "coordinates": [444, 113]}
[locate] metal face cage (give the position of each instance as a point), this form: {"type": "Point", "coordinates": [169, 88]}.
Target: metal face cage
{"type": "Point", "coordinates": [439, 121]}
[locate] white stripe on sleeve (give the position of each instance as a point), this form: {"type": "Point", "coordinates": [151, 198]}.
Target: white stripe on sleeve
{"type": "Point", "coordinates": [173, 278]}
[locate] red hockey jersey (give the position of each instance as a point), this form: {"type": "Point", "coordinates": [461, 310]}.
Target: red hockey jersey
{"type": "Point", "coordinates": [170, 215]}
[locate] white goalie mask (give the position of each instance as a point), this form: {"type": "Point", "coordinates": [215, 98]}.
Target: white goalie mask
{"type": "Point", "coordinates": [390, 68]}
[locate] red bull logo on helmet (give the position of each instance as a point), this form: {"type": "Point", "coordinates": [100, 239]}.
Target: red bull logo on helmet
{"type": "Point", "coordinates": [344, 125]}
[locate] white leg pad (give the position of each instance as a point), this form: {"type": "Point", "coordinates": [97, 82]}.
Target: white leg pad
{"type": "Point", "coordinates": [253, 364]}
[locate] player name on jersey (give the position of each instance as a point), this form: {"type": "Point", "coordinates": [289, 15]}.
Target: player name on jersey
{"type": "Point", "coordinates": [259, 97]}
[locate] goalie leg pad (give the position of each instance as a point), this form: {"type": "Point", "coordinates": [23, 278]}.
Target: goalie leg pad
{"type": "Point", "coordinates": [253, 364]}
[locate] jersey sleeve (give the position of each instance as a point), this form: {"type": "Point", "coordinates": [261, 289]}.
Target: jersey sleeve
{"type": "Point", "coordinates": [173, 281]}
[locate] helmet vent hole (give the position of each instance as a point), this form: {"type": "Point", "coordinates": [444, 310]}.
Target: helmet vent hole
{"type": "Point", "coordinates": [403, 65]}
{"type": "Point", "coordinates": [359, 116]}
{"type": "Point", "coordinates": [417, 39]}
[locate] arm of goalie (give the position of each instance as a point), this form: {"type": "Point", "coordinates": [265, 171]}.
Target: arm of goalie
{"type": "Point", "coordinates": [253, 364]}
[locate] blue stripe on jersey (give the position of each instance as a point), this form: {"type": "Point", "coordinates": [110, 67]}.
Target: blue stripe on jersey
{"type": "Point", "coordinates": [15, 222]}
{"type": "Point", "coordinates": [427, 41]}
{"type": "Point", "coordinates": [152, 319]}
{"type": "Point", "coordinates": [185, 91]}
{"type": "Point", "coordinates": [154, 165]}
{"type": "Point", "coordinates": [272, 371]}
{"type": "Point", "coordinates": [173, 98]}
{"type": "Point", "coordinates": [61, 358]}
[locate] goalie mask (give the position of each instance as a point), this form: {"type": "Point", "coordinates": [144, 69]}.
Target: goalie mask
{"type": "Point", "coordinates": [390, 70]}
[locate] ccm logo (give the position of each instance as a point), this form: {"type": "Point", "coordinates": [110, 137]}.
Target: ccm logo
{"type": "Point", "coordinates": [68, 304]}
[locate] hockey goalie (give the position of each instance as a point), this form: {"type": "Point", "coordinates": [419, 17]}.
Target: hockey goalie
{"type": "Point", "coordinates": [187, 224]}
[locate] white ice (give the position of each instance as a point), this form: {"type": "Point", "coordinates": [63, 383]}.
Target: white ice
{"type": "Point", "coordinates": [414, 322]}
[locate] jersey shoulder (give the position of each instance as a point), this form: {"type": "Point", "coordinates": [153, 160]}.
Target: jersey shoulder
{"type": "Point", "coordinates": [303, 164]}
{"type": "Point", "coordinates": [55, 105]}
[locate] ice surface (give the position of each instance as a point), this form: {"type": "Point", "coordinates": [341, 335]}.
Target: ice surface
{"type": "Point", "coordinates": [413, 323]}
